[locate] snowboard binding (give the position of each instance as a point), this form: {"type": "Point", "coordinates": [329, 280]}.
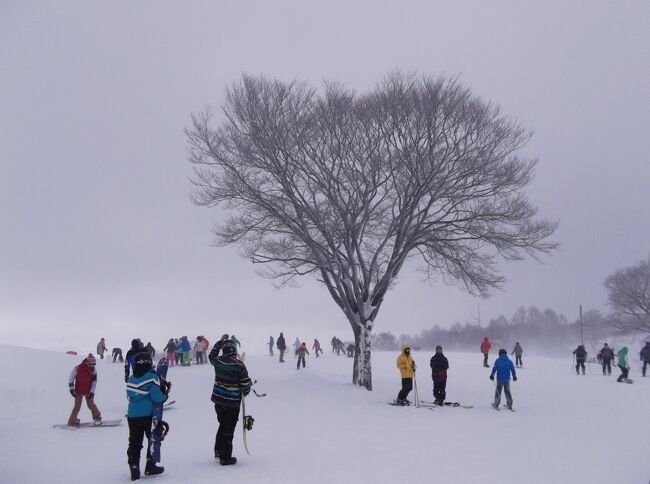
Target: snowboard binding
{"type": "Point", "coordinates": [248, 422]}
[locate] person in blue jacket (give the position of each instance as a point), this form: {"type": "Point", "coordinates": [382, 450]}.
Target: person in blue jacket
{"type": "Point", "coordinates": [143, 389]}
{"type": "Point", "coordinates": [503, 367]}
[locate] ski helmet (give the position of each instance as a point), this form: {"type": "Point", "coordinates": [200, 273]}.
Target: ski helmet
{"type": "Point", "coordinates": [502, 352]}
{"type": "Point", "coordinates": [142, 363]}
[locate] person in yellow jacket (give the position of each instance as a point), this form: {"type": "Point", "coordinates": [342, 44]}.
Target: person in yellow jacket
{"type": "Point", "coordinates": [406, 367]}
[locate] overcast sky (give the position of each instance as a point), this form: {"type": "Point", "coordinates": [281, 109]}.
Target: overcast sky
{"type": "Point", "coordinates": [99, 238]}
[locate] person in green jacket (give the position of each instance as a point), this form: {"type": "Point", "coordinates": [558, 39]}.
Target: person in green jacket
{"type": "Point", "coordinates": [624, 365]}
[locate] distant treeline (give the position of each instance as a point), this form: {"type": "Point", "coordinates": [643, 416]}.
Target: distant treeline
{"type": "Point", "coordinates": [541, 331]}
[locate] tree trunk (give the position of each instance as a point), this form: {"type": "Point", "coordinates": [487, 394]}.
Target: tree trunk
{"type": "Point", "coordinates": [362, 370]}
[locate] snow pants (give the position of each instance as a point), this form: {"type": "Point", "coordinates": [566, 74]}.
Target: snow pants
{"type": "Point", "coordinates": [178, 357]}
{"type": "Point", "coordinates": [518, 360]}
{"type": "Point", "coordinates": [227, 418]}
{"type": "Point", "coordinates": [199, 357]}
{"type": "Point", "coordinates": [607, 366]}
{"type": "Point", "coordinates": [580, 363]}
{"type": "Point", "coordinates": [186, 358]}
{"type": "Point", "coordinates": [439, 389]}
{"type": "Point", "coordinates": [624, 373]}
{"type": "Point", "coordinates": [407, 386]}
{"type": "Point", "coordinates": [645, 363]}
{"type": "Point", "coordinates": [505, 386]}
{"type": "Point", "coordinates": [270, 350]}
{"type": "Point", "coordinates": [170, 358]}
{"type": "Point", "coordinates": [138, 428]}
{"type": "Point", "coordinates": [77, 407]}
{"type": "Point", "coordinates": [281, 356]}
{"type": "Point", "coordinates": [485, 358]}
{"type": "Point", "coordinates": [300, 358]}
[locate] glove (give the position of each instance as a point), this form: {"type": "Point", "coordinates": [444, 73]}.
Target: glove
{"type": "Point", "coordinates": [91, 396]}
{"type": "Point", "coordinates": [492, 377]}
{"type": "Point", "coordinates": [165, 386]}
{"type": "Point", "coordinates": [514, 378]}
{"type": "Point", "coordinates": [74, 395]}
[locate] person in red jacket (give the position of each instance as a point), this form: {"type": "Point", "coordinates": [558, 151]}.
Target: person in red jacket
{"type": "Point", "coordinates": [82, 384]}
{"type": "Point", "coordinates": [316, 347]}
{"type": "Point", "coordinates": [485, 349]}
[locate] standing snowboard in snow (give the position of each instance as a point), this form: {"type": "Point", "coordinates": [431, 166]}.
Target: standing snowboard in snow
{"type": "Point", "coordinates": [231, 384]}
{"type": "Point", "coordinates": [159, 426]}
{"type": "Point", "coordinates": [144, 390]}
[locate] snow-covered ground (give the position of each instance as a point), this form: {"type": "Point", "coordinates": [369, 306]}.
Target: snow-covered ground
{"type": "Point", "coordinates": [315, 426]}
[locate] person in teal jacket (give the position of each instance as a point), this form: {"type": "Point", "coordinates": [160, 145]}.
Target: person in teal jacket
{"type": "Point", "coordinates": [143, 389]}
{"type": "Point", "coordinates": [624, 365]}
{"type": "Point", "coordinates": [503, 367]}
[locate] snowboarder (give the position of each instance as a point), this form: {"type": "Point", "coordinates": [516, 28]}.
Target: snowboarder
{"type": "Point", "coordinates": [439, 366]}
{"type": "Point", "coordinates": [406, 367]}
{"type": "Point", "coordinates": [151, 350]}
{"type": "Point", "coordinates": [645, 356]}
{"type": "Point", "coordinates": [624, 365]}
{"type": "Point", "coordinates": [143, 390]}
{"type": "Point", "coordinates": [81, 383]}
{"type": "Point", "coordinates": [485, 349]}
{"type": "Point", "coordinates": [517, 351]}
{"type": "Point", "coordinates": [271, 343]}
{"type": "Point", "coordinates": [101, 348]}
{"type": "Point", "coordinates": [170, 349]}
{"type": "Point", "coordinates": [282, 347]}
{"type": "Point", "coordinates": [136, 347]}
{"type": "Point", "coordinates": [300, 353]}
{"type": "Point", "coordinates": [316, 347]}
{"type": "Point", "coordinates": [117, 355]}
{"type": "Point", "coordinates": [606, 357]}
{"type": "Point", "coordinates": [503, 367]}
{"type": "Point", "coordinates": [581, 357]}
{"type": "Point", "coordinates": [231, 382]}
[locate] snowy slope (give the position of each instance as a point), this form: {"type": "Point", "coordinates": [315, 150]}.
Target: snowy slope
{"type": "Point", "coordinates": [315, 427]}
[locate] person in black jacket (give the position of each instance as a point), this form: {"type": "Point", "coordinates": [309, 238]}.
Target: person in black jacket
{"type": "Point", "coordinates": [282, 346]}
{"type": "Point", "coordinates": [645, 356]}
{"type": "Point", "coordinates": [581, 357]}
{"type": "Point", "coordinates": [231, 383]}
{"type": "Point", "coordinates": [439, 367]}
{"type": "Point", "coordinates": [136, 347]}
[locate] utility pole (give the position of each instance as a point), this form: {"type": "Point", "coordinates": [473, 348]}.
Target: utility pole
{"type": "Point", "coordinates": [582, 328]}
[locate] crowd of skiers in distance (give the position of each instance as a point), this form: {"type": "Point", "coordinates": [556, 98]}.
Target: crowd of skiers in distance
{"type": "Point", "coordinates": [300, 348]}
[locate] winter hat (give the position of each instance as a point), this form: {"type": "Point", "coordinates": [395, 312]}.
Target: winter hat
{"type": "Point", "coordinates": [228, 348]}
{"type": "Point", "coordinates": [90, 360]}
{"type": "Point", "coordinates": [439, 348]}
{"type": "Point", "coordinates": [136, 343]}
{"type": "Point", "coordinates": [502, 352]}
{"type": "Point", "coordinates": [142, 363]}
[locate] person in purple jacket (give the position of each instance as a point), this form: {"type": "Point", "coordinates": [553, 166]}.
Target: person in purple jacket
{"type": "Point", "coordinates": [503, 367]}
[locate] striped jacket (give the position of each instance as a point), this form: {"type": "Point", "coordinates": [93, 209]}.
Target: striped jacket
{"type": "Point", "coordinates": [230, 380]}
{"type": "Point", "coordinates": [143, 391]}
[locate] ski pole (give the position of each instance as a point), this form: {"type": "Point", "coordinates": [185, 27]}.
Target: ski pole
{"type": "Point", "coordinates": [415, 388]}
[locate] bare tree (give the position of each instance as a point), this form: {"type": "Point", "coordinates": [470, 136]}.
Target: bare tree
{"type": "Point", "coordinates": [346, 186]}
{"type": "Point", "coordinates": [629, 296]}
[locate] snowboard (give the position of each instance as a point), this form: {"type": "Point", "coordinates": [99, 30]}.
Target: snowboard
{"type": "Point", "coordinates": [87, 425]}
{"type": "Point", "coordinates": [159, 427]}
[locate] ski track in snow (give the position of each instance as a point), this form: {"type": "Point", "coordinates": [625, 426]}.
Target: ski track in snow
{"type": "Point", "coordinates": [315, 426]}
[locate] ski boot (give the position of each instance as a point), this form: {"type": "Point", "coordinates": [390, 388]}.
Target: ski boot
{"type": "Point", "coordinates": [151, 469]}
{"type": "Point", "coordinates": [97, 421]}
{"type": "Point", "coordinates": [228, 462]}
{"type": "Point", "coordinates": [438, 403]}
{"type": "Point", "coordinates": [135, 471]}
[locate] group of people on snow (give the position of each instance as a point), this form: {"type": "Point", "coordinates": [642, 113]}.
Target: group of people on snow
{"type": "Point", "coordinates": [299, 348]}
{"type": "Point", "coordinates": [606, 356]}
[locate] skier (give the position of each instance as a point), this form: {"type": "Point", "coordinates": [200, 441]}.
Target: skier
{"type": "Point", "coordinates": [350, 350]}
{"type": "Point", "coordinates": [606, 355]}
{"type": "Point", "coordinates": [81, 383]}
{"type": "Point", "coordinates": [439, 366]}
{"type": "Point", "coordinates": [178, 353]}
{"type": "Point", "coordinates": [271, 342]}
{"type": "Point", "coordinates": [645, 356]}
{"type": "Point", "coordinates": [406, 367]}
{"type": "Point", "coordinates": [334, 340]}
{"type": "Point", "coordinates": [170, 349]}
{"type": "Point", "coordinates": [101, 348]}
{"type": "Point", "coordinates": [282, 346]}
{"type": "Point", "coordinates": [300, 353]}
{"type": "Point", "coordinates": [316, 347]}
{"type": "Point", "coordinates": [185, 349]}
{"type": "Point", "coordinates": [116, 353]}
{"type": "Point", "coordinates": [151, 350]}
{"type": "Point", "coordinates": [136, 347]}
{"type": "Point", "coordinates": [143, 390]}
{"type": "Point", "coordinates": [503, 367]}
{"type": "Point", "coordinates": [517, 351]}
{"type": "Point", "coordinates": [581, 357]}
{"type": "Point", "coordinates": [231, 382]}
{"type": "Point", "coordinates": [624, 365]}
{"type": "Point", "coordinates": [296, 345]}
{"type": "Point", "coordinates": [485, 349]}
{"type": "Point", "coordinates": [198, 350]}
